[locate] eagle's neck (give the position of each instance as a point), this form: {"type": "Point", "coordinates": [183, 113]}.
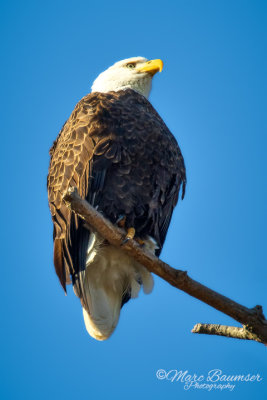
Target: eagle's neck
{"type": "Point", "coordinates": [104, 85]}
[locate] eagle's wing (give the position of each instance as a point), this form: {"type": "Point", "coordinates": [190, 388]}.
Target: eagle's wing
{"type": "Point", "coordinates": [80, 158]}
{"type": "Point", "coordinates": [168, 179]}
{"type": "Point", "coordinates": [168, 202]}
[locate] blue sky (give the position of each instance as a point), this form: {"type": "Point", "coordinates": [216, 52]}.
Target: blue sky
{"type": "Point", "coordinates": [212, 95]}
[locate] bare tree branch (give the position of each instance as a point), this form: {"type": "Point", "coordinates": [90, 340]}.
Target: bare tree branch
{"type": "Point", "coordinates": [225, 330]}
{"type": "Point", "coordinates": [252, 319]}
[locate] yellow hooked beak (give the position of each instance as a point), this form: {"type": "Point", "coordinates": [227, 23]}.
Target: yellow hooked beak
{"type": "Point", "coordinates": [152, 67]}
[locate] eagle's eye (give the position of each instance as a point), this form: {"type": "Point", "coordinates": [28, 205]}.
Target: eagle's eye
{"type": "Point", "coordinates": [130, 65]}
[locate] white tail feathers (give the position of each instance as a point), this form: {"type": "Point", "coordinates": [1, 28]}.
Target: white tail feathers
{"type": "Point", "coordinates": [104, 313]}
{"type": "Point", "coordinates": [110, 273]}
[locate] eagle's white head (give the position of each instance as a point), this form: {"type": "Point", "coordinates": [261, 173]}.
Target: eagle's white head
{"type": "Point", "coordinates": [133, 73]}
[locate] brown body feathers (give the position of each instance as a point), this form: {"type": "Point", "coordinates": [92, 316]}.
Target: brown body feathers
{"type": "Point", "coordinates": [122, 158]}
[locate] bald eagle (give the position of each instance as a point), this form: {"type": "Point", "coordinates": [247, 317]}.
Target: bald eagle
{"type": "Point", "coordinates": [125, 162]}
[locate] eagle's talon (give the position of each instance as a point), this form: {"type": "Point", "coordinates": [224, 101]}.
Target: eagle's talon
{"type": "Point", "coordinates": [125, 241]}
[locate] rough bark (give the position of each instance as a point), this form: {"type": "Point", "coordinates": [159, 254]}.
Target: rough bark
{"type": "Point", "coordinates": [225, 330]}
